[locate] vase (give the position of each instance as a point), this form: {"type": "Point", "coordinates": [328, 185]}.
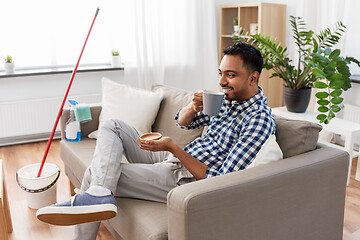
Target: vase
{"type": "Point", "coordinates": [254, 28]}
{"type": "Point", "coordinates": [9, 68]}
{"type": "Point", "coordinates": [297, 100]}
{"type": "Point", "coordinates": [116, 61]}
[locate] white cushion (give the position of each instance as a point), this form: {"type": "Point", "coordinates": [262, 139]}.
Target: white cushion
{"type": "Point", "coordinates": [136, 107]}
{"type": "Point", "coordinates": [93, 134]}
{"type": "Point", "coordinates": [269, 152]}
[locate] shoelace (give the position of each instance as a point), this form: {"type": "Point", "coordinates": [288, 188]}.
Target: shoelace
{"type": "Point", "coordinates": [77, 192]}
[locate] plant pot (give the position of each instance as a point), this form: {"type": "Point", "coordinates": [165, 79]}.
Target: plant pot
{"type": "Point", "coordinates": [9, 67]}
{"type": "Point", "coordinates": [115, 61]}
{"type": "Point", "coordinates": [297, 100]}
{"type": "Point", "coordinates": [236, 28]}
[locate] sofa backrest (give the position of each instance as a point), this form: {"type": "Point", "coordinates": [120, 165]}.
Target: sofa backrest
{"type": "Point", "coordinates": [173, 100]}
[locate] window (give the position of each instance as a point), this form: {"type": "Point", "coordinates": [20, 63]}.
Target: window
{"type": "Point", "coordinates": [44, 33]}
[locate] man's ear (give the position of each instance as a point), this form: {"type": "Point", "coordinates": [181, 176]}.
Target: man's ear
{"type": "Point", "coordinates": [254, 76]}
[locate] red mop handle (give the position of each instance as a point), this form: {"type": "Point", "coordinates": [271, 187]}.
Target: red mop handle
{"type": "Point", "coordinates": [65, 97]}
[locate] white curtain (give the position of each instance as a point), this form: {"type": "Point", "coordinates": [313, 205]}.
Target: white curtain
{"type": "Point", "coordinates": [171, 42]}
{"type": "Point", "coordinates": [321, 14]}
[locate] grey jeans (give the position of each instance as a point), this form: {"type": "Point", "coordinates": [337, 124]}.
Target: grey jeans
{"type": "Point", "coordinates": [148, 175]}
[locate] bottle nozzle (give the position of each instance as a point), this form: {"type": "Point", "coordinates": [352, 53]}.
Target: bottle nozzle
{"type": "Point", "coordinates": [73, 102]}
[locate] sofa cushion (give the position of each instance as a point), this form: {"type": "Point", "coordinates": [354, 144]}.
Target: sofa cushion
{"type": "Point", "coordinates": [77, 156]}
{"type": "Point", "coordinates": [296, 136]}
{"type": "Point", "coordinates": [140, 219]}
{"type": "Point", "coordinates": [136, 107]}
{"type": "Point", "coordinates": [173, 100]}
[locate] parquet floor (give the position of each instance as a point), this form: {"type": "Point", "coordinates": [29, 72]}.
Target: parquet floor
{"type": "Point", "coordinates": [26, 226]}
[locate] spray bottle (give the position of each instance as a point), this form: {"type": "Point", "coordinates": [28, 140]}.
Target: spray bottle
{"type": "Point", "coordinates": [72, 130]}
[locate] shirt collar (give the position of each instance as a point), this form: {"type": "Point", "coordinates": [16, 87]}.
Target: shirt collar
{"type": "Point", "coordinates": [246, 103]}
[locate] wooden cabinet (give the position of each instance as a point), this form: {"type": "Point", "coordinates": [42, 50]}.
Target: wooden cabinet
{"type": "Point", "coordinates": [271, 21]}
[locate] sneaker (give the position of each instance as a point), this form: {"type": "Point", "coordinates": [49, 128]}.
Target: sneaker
{"type": "Point", "coordinates": [79, 209]}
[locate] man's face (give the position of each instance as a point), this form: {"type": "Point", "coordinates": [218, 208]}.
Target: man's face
{"type": "Point", "coordinates": [235, 79]}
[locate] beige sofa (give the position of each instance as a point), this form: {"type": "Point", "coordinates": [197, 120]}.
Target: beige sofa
{"type": "Point", "coordinates": [299, 197]}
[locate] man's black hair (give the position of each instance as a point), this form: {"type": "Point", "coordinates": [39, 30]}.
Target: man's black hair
{"type": "Point", "coordinates": [249, 54]}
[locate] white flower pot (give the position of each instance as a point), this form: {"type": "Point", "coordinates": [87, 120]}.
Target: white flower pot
{"type": "Point", "coordinates": [115, 61]}
{"type": "Point", "coordinates": [9, 67]}
{"type": "Point", "coordinates": [236, 28]}
{"type": "Point", "coordinates": [254, 28]}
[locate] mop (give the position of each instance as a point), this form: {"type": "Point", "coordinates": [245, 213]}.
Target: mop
{"type": "Point", "coordinates": [65, 97]}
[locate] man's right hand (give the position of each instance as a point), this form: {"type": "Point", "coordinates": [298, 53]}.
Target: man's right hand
{"type": "Point", "coordinates": [187, 114]}
{"type": "Point", "coordinates": [197, 101]}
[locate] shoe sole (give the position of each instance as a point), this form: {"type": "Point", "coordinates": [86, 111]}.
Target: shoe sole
{"type": "Point", "coordinates": [66, 216]}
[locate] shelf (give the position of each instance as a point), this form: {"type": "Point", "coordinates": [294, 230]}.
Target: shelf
{"type": "Point", "coordinates": [355, 78]}
{"type": "Point", "coordinates": [226, 36]}
{"type": "Point", "coordinates": [58, 70]}
{"type": "Point", "coordinates": [271, 21]}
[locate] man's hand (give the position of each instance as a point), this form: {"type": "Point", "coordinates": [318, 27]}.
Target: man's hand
{"type": "Point", "coordinates": [196, 167]}
{"type": "Point", "coordinates": [187, 114]}
{"type": "Point", "coordinates": [197, 101]}
{"type": "Point", "coordinates": [163, 144]}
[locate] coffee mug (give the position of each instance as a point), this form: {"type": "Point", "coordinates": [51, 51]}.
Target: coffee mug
{"type": "Point", "coordinates": [212, 102]}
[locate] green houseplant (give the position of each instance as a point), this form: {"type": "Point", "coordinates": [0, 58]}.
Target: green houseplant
{"type": "Point", "coordinates": [236, 24]}
{"type": "Point", "coordinates": [318, 64]}
{"type": "Point", "coordinates": [115, 53]}
{"type": "Point", "coordinates": [9, 64]}
{"type": "Point", "coordinates": [115, 59]}
{"type": "Point", "coordinates": [8, 59]}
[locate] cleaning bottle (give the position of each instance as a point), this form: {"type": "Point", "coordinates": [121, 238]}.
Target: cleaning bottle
{"type": "Point", "coordinates": [72, 129]}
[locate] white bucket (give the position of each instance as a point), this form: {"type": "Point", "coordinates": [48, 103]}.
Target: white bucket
{"type": "Point", "coordinates": [39, 191]}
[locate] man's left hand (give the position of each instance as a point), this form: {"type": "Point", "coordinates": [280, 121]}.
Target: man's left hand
{"type": "Point", "coordinates": [163, 144]}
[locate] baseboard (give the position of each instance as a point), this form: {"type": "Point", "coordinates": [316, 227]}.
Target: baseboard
{"type": "Point", "coordinates": [27, 138]}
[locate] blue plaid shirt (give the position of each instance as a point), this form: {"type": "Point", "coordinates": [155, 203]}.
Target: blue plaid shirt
{"type": "Point", "coordinates": [234, 137]}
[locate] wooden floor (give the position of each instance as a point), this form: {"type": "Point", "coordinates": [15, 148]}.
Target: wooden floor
{"type": "Point", "coordinates": [26, 226]}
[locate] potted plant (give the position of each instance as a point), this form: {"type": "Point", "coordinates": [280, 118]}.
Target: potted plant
{"type": "Point", "coordinates": [236, 24]}
{"type": "Point", "coordinates": [115, 59]}
{"type": "Point", "coordinates": [318, 66]}
{"type": "Point", "coordinates": [9, 65]}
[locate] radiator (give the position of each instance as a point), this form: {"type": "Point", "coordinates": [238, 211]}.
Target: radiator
{"type": "Point", "coordinates": [350, 113]}
{"type": "Point", "coordinates": [32, 120]}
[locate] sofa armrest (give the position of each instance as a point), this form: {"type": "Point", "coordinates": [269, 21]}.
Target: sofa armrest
{"type": "Point", "coordinates": [87, 127]}
{"type": "Point", "coordinates": [301, 197]}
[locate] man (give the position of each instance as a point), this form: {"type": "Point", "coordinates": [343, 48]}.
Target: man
{"type": "Point", "coordinates": [231, 142]}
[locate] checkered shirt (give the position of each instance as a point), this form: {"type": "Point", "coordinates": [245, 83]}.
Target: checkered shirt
{"type": "Point", "coordinates": [234, 137]}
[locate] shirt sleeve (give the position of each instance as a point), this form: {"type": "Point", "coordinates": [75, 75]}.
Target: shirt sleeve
{"type": "Point", "coordinates": [253, 135]}
{"type": "Point", "coordinates": [199, 121]}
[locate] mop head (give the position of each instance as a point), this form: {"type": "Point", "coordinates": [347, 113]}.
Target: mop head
{"type": "Point", "coordinates": [83, 113]}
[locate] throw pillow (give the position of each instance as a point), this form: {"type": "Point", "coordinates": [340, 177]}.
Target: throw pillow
{"type": "Point", "coordinates": [136, 107]}
{"type": "Point", "coordinates": [296, 136]}
{"type": "Point", "coordinates": [269, 152]}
